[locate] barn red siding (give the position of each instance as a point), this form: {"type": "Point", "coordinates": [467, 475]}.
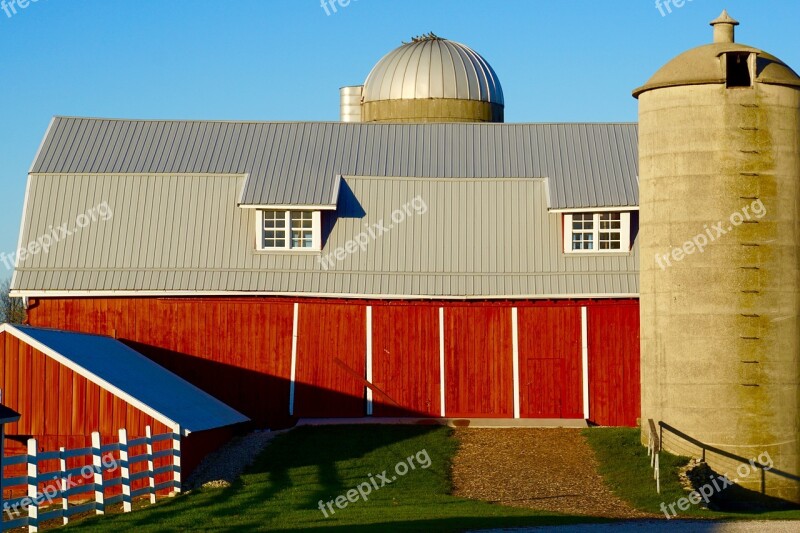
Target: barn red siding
{"type": "Point", "coordinates": [614, 388]}
{"type": "Point", "coordinates": [550, 371]}
{"type": "Point", "coordinates": [331, 361]}
{"type": "Point", "coordinates": [478, 362]}
{"type": "Point", "coordinates": [211, 343]}
{"type": "Point", "coordinates": [405, 360]}
{"type": "Point", "coordinates": [239, 350]}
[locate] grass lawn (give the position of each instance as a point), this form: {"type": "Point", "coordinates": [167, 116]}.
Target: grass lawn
{"type": "Point", "coordinates": [282, 490]}
{"type": "Point", "coordinates": [626, 468]}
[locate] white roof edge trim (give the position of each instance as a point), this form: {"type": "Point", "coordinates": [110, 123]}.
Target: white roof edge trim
{"type": "Point", "coordinates": [7, 328]}
{"type": "Point", "coordinates": [355, 296]}
{"type": "Point", "coordinates": [41, 144]}
{"type": "Point", "coordinates": [547, 192]}
{"type": "Point", "coordinates": [593, 209]}
{"type": "Point", "coordinates": [244, 187]}
{"type": "Point", "coordinates": [337, 185]}
{"type": "Point", "coordinates": [289, 207]}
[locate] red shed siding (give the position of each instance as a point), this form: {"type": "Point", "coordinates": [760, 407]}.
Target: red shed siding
{"type": "Point", "coordinates": [59, 407]}
{"type": "Point", "coordinates": [614, 364]}
{"type": "Point", "coordinates": [405, 360]}
{"type": "Point", "coordinates": [550, 371]}
{"type": "Point", "coordinates": [331, 361]}
{"type": "Point", "coordinates": [478, 362]}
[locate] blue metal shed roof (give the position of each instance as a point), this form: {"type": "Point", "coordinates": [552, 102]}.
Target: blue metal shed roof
{"type": "Point", "coordinates": [133, 377]}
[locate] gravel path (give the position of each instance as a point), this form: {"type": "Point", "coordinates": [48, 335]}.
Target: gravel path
{"type": "Point", "coordinates": [658, 526]}
{"type": "Point", "coordinates": [551, 469]}
{"type": "Point", "coordinates": [222, 467]}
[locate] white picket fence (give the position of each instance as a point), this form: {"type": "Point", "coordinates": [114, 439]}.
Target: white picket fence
{"type": "Point", "coordinates": [40, 505]}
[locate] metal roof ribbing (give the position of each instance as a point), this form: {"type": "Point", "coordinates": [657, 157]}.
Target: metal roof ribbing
{"type": "Point", "coordinates": [478, 238]}
{"type": "Point", "coordinates": [297, 163]}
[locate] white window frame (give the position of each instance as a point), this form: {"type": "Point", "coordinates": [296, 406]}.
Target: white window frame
{"type": "Point", "coordinates": [316, 231]}
{"type": "Point", "coordinates": [624, 233]}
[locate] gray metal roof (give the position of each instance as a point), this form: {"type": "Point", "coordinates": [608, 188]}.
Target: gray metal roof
{"type": "Point", "coordinates": [112, 365]}
{"type": "Point", "coordinates": [433, 68]}
{"type": "Point", "coordinates": [479, 238]}
{"type": "Point", "coordinates": [297, 163]}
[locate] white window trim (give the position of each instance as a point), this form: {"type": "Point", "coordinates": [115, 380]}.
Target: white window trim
{"type": "Point", "coordinates": [624, 237]}
{"type": "Point", "coordinates": [316, 232]}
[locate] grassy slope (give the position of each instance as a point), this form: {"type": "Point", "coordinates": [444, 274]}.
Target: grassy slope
{"type": "Point", "coordinates": [626, 468]}
{"type": "Point", "coordinates": [282, 490]}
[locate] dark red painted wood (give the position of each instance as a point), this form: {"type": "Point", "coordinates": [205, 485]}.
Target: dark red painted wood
{"type": "Point", "coordinates": [64, 408]}
{"type": "Point", "coordinates": [550, 371]}
{"type": "Point", "coordinates": [239, 350]}
{"type": "Point", "coordinates": [614, 388]}
{"type": "Point", "coordinates": [331, 361]}
{"type": "Point", "coordinates": [405, 360]}
{"type": "Point", "coordinates": [478, 362]}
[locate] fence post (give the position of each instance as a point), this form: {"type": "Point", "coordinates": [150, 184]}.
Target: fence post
{"type": "Point", "coordinates": [658, 476]}
{"type": "Point", "coordinates": [176, 459]}
{"type": "Point", "coordinates": [99, 486]}
{"type": "Point", "coordinates": [33, 487]}
{"type": "Point", "coordinates": [125, 471]}
{"type": "Point", "coordinates": [63, 485]}
{"type": "Point", "coordinates": [151, 478]}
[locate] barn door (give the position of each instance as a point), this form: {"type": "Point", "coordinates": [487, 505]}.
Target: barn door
{"type": "Point", "coordinates": [545, 387]}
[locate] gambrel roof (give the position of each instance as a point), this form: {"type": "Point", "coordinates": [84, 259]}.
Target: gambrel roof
{"type": "Point", "coordinates": [492, 227]}
{"type": "Point", "coordinates": [297, 163]}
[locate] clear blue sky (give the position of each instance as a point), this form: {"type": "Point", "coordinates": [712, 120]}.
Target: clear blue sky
{"type": "Point", "coordinates": [558, 60]}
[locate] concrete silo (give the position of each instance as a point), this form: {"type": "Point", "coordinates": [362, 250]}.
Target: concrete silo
{"type": "Point", "coordinates": [719, 143]}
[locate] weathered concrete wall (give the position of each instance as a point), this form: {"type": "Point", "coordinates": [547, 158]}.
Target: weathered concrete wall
{"type": "Point", "coordinates": [719, 328]}
{"type": "Point", "coordinates": [431, 110]}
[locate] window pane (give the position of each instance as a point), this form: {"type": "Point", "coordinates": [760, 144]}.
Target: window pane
{"type": "Point", "coordinates": [302, 239]}
{"type": "Point", "coordinates": [302, 229]}
{"type": "Point", "coordinates": [610, 221]}
{"type": "Point", "coordinates": [274, 231]}
{"type": "Point", "coordinates": [274, 219]}
{"type": "Point", "coordinates": [582, 241]}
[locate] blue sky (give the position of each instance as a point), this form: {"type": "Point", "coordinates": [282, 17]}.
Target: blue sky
{"type": "Point", "coordinates": [558, 60]}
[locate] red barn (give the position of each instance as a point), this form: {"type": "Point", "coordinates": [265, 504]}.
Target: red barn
{"type": "Point", "coordinates": [413, 268]}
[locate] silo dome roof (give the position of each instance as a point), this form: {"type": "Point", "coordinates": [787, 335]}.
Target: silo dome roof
{"type": "Point", "coordinates": [432, 67]}
{"type": "Point", "coordinates": [702, 65]}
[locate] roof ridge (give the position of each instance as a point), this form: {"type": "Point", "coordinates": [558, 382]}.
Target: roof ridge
{"type": "Point", "coordinates": [456, 124]}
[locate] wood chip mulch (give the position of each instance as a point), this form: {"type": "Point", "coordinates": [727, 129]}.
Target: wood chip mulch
{"type": "Point", "coordinates": [550, 469]}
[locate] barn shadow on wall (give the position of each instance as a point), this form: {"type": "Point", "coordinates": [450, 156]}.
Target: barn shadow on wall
{"type": "Point", "coordinates": [215, 378]}
{"type": "Point", "coordinates": [264, 398]}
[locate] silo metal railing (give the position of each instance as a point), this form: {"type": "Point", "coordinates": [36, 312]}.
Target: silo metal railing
{"type": "Point", "coordinates": [656, 444]}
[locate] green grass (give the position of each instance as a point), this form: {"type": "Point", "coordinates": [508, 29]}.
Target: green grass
{"type": "Point", "coordinates": [282, 489]}
{"type": "Point", "coordinates": [625, 466]}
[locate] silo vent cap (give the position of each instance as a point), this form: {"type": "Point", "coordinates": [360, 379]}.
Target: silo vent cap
{"type": "Point", "coordinates": [724, 28]}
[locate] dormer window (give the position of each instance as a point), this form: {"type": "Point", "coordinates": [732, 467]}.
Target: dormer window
{"type": "Point", "coordinates": [293, 230]}
{"type": "Point", "coordinates": [599, 232]}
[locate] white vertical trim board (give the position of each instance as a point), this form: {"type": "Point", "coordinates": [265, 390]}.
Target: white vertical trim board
{"type": "Point", "coordinates": [515, 358]}
{"type": "Point", "coordinates": [294, 358]}
{"type": "Point", "coordinates": [441, 362]}
{"type": "Point", "coordinates": [585, 360]}
{"type": "Point", "coordinates": [369, 360]}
